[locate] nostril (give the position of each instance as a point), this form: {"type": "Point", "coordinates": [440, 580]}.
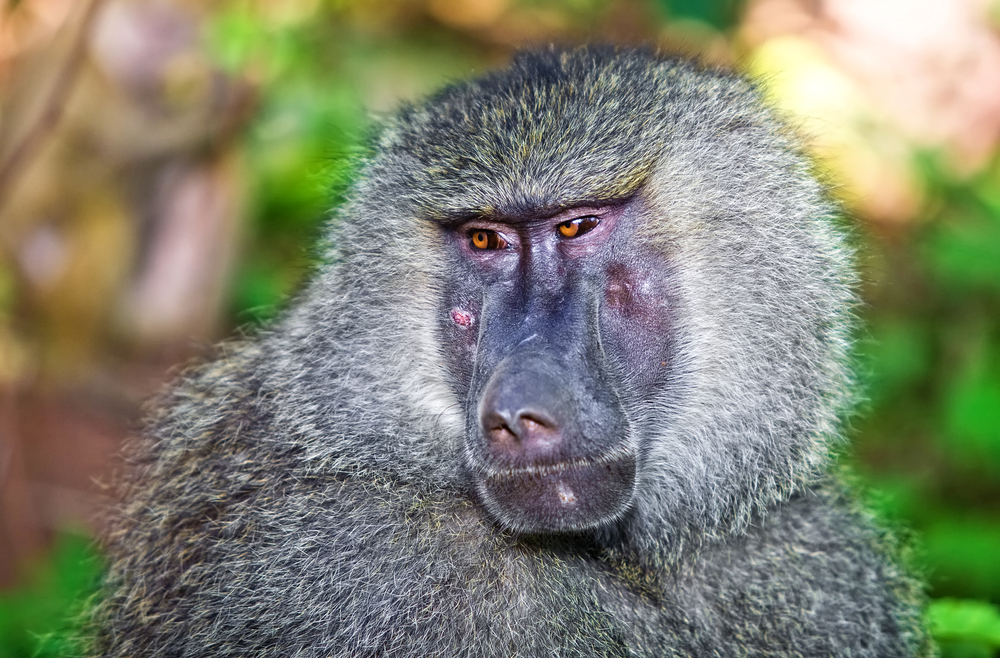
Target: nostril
{"type": "Point", "coordinates": [502, 437]}
{"type": "Point", "coordinates": [531, 424]}
{"type": "Point", "coordinates": [526, 435]}
{"type": "Point", "coordinates": [537, 434]}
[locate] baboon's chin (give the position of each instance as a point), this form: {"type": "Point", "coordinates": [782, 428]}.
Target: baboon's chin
{"type": "Point", "coordinates": [561, 497]}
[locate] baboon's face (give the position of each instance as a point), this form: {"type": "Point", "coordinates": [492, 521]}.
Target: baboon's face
{"type": "Point", "coordinates": [555, 327]}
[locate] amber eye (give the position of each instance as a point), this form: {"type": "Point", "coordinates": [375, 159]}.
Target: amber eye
{"type": "Point", "coordinates": [486, 239]}
{"type": "Point", "coordinates": [577, 227]}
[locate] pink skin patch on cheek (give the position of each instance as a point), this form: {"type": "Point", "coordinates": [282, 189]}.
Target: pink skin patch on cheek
{"type": "Point", "coordinates": [461, 318]}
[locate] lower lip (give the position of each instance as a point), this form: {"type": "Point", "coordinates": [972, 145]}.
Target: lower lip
{"type": "Point", "coordinates": [555, 499]}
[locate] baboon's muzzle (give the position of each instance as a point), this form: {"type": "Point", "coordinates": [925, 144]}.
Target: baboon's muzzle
{"type": "Point", "coordinates": [549, 441]}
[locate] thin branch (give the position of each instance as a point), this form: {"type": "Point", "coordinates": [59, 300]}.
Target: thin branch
{"type": "Point", "coordinates": [52, 110]}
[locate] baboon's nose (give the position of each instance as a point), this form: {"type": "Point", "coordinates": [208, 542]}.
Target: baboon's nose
{"type": "Point", "coordinates": [526, 435]}
{"type": "Point", "coordinates": [522, 415]}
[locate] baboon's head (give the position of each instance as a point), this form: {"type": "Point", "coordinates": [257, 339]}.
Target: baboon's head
{"type": "Point", "coordinates": [638, 301]}
{"type": "Point", "coordinates": [559, 323]}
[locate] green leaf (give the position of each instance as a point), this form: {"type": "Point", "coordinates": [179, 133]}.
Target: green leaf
{"type": "Point", "coordinates": [961, 552]}
{"type": "Point", "coordinates": [964, 248]}
{"type": "Point", "coordinates": [972, 409]}
{"type": "Point", "coordinates": [965, 619]}
{"type": "Point", "coordinates": [38, 618]}
{"type": "Point", "coordinates": [898, 355]}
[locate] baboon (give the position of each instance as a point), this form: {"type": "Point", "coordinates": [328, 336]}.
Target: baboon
{"type": "Point", "coordinates": [567, 384]}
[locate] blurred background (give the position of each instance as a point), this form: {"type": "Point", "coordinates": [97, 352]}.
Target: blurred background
{"type": "Point", "coordinates": [165, 166]}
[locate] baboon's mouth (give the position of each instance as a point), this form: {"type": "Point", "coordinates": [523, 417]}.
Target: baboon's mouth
{"type": "Point", "coordinates": [494, 471]}
{"type": "Point", "coordinates": [560, 497]}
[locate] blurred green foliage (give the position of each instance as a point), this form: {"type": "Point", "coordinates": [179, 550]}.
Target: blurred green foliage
{"type": "Point", "coordinates": [965, 628]}
{"type": "Point", "coordinates": [315, 77]}
{"type": "Point", "coordinates": [38, 619]}
{"type": "Point", "coordinates": [720, 14]}
{"type": "Point", "coordinates": [930, 440]}
{"type": "Point", "coordinates": [297, 149]}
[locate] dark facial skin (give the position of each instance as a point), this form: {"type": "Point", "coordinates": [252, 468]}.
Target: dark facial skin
{"type": "Point", "coordinates": [555, 327]}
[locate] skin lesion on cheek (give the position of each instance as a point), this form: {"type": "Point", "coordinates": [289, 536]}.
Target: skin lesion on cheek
{"type": "Point", "coordinates": [619, 289]}
{"type": "Point", "coordinates": [636, 322]}
{"type": "Point", "coordinates": [459, 339]}
{"type": "Point", "coordinates": [461, 318]}
{"type": "Point", "coordinates": [618, 296]}
{"type": "Point", "coordinates": [637, 291]}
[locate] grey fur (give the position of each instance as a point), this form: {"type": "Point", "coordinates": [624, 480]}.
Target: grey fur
{"type": "Point", "coordinates": [306, 494]}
